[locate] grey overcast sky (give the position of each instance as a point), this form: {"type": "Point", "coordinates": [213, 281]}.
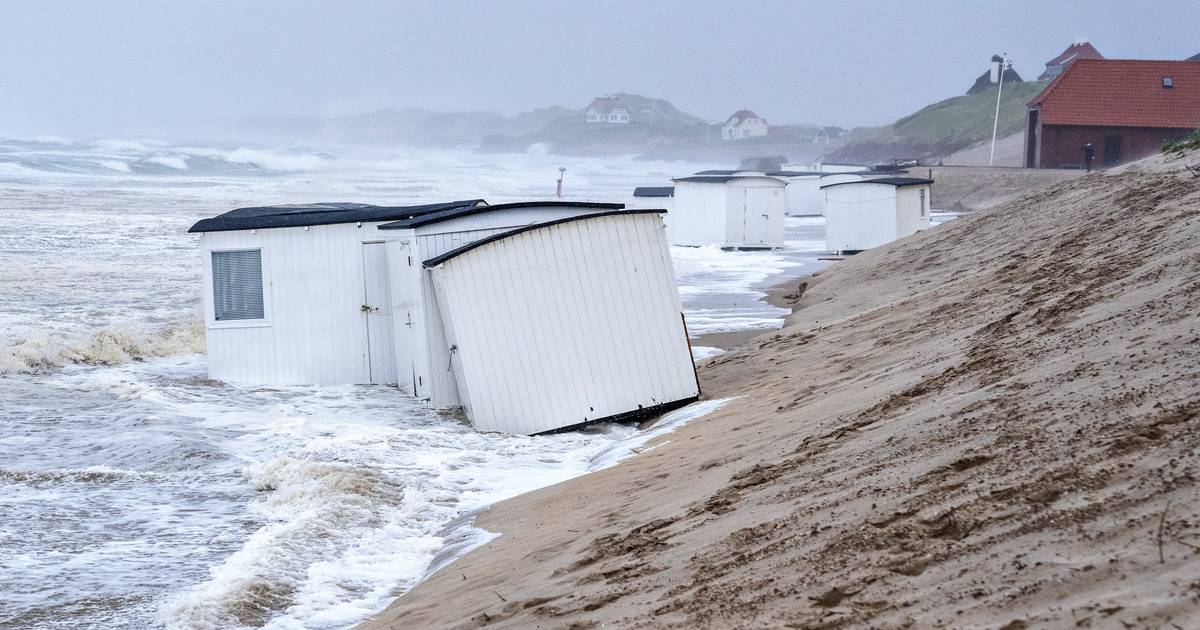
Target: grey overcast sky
{"type": "Point", "coordinates": [97, 67]}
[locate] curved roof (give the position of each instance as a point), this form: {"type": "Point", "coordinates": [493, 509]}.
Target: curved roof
{"type": "Point", "coordinates": [437, 260]}
{"type": "Point", "coordinates": [898, 182]}
{"type": "Point", "coordinates": [466, 211]}
{"type": "Point", "coordinates": [654, 191]}
{"type": "Point", "coordinates": [301, 215]}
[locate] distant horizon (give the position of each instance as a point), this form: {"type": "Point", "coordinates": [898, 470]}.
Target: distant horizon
{"type": "Point", "coordinates": [135, 66]}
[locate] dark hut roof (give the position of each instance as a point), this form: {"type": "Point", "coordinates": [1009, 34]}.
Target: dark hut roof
{"type": "Point", "coordinates": [891, 181]}
{"type": "Point", "coordinates": [303, 215]}
{"type": "Point", "coordinates": [454, 213]}
{"type": "Point", "coordinates": [654, 191]}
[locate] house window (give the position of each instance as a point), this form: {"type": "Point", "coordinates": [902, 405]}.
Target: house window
{"type": "Point", "coordinates": [237, 285]}
{"type": "Point", "coordinates": [1168, 83]}
{"type": "Point", "coordinates": [922, 202]}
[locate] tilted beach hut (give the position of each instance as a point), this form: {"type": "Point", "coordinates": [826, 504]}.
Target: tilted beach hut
{"type": "Point", "coordinates": [567, 322]}
{"type": "Point", "coordinates": [871, 212]}
{"type": "Point", "coordinates": [735, 211]}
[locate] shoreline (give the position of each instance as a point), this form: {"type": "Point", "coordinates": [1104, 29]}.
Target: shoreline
{"type": "Point", "coordinates": [784, 295]}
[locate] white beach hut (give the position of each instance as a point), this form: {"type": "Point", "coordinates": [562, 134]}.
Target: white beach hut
{"type": "Point", "coordinates": [563, 323]}
{"type": "Point", "coordinates": [871, 212]}
{"type": "Point", "coordinates": [823, 167]}
{"type": "Point", "coordinates": [313, 294]}
{"type": "Point", "coordinates": [735, 211]}
{"type": "Point", "coordinates": [653, 198]}
{"type": "Point", "coordinates": [803, 193]}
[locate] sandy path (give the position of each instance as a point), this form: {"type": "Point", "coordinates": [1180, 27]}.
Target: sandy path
{"type": "Point", "coordinates": [995, 423]}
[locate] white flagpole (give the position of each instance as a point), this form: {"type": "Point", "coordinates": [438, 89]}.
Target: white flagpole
{"type": "Point", "coordinates": [996, 121]}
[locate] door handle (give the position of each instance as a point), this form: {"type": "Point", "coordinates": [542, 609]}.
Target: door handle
{"type": "Point", "coordinates": [369, 309]}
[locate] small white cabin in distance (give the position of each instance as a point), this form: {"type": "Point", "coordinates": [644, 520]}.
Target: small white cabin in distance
{"type": "Point", "coordinates": [803, 193]}
{"type": "Point", "coordinates": [736, 210]}
{"type": "Point", "coordinates": [653, 197]}
{"type": "Point", "coordinates": [824, 167]}
{"type": "Point", "coordinates": [868, 213]}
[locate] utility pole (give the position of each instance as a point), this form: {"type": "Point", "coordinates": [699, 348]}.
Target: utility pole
{"type": "Point", "coordinates": [996, 121]}
{"type": "Point", "coordinates": [562, 171]}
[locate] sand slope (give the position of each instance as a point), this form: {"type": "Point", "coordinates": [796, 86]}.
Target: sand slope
{"type": "Point", "coordinates": [995, 423]}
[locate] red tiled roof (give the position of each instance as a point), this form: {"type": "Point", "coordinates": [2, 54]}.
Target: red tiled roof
{"type": "Point", "coordinates": [739, 116]}
{"type": "Point", "coordinates": [1123, 93]}
{"type": "Point", "coordinates": [1075, 52]}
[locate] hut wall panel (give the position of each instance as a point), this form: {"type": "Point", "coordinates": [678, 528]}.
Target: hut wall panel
{"type": "Point", "coordinates": [315, 331]}
{"type": "Point", "coordinates": [859, 216]}
{"type": "Point", "coordinates": [566, 324]}
{"type": "Point", "coordinates": [908, 210]}
{"type": "Point", "coordinates": [700, 214]}
{"type": "Point", "coordinates": [804, 196]}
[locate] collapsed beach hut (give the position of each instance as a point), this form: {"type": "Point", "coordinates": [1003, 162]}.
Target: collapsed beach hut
{"type": "Point", "coordinates": [868, 213]}
{"type": "Point", "coordinates": [734, 211]}
{"type": "Point", "coordinates": [328, 294]}
{"type": "Point", "coordinates": [564, 323]}
{"type": "Point", "coordinates": [653, 198]}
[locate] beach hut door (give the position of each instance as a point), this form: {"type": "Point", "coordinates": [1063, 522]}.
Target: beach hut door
{"type": "Point", "coordinates": [757, 212]}
{"type": "Point", "coordinates": [377, 314]}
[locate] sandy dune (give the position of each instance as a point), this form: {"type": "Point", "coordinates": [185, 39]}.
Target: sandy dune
{"type": "Point", "coordinates": [991, 424]}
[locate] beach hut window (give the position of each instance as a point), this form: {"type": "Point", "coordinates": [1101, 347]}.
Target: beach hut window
{"type": "Point", "coordinates": [237, 285]}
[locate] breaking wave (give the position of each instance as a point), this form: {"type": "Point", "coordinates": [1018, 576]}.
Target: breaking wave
{"type": "Point", "coordinates": [46, 352]}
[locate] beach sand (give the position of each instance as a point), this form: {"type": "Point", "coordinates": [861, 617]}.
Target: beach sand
{"type": "Point", "coordinates": [994, 424]}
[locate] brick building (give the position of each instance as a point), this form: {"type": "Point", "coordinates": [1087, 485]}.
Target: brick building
{"type": "Point", "coordinates": [1126, 109]}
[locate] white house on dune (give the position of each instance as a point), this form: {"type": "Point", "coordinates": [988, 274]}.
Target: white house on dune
{"type": "Point", "coordinates": [865, 213]}
{"type": "Point", "coordinates": [607, 109]}
{"type": "Point", "coordinates": [344, 293]}
{"type": "Point", "coordinates": [734, 211]}
{"type": "Point", "coordinates": [744, 124]}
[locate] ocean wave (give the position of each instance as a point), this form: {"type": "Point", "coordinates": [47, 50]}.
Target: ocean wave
{"type": "Point", "coordinates": [89, 475]}
{"type": "Point", "coordinates": [311, 509]}
{"type": "Point", "coordinates": [111, 346]}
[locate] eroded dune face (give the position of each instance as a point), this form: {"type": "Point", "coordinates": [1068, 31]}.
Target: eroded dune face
{"type": "Point", "coordinates": [994, 422]}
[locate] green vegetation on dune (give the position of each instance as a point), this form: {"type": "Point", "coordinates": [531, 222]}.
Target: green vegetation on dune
{"type": "Point", "coordinates": [944, 127]}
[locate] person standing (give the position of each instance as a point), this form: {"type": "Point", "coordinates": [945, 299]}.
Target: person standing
{"type": "Point", "coordinates": [1089, 154]}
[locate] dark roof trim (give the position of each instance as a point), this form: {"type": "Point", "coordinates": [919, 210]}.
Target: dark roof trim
{"type": "Point", "coordinates": [898, 182]}
{"type": "Point", "coordinates": [720, 179]}
{"type": "Point", "coordinates": [303, 215]}
{"type": "Point", "coordinates": [654, 191]}
{"type": "Point", "coordinates": [437, 260]}
{"type": "Point", "coordinates": [455, 213]}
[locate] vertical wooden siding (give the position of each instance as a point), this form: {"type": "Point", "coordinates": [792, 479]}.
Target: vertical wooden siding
{"type": "Point", "coordinates": [566, 324]}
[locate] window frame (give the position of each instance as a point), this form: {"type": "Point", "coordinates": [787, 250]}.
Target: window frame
{"type": "Point", "coordinates": [210, 289]}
